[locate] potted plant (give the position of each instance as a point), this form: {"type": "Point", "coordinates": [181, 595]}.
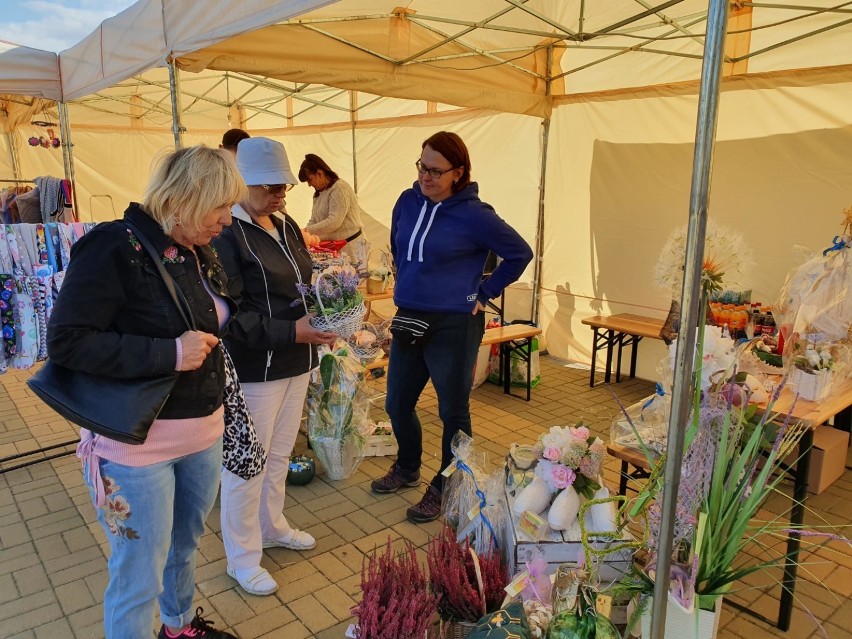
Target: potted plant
{"type": "Point", "coordinates": [466, 585]}
{"type": "Point", "coordinates": [810, 375]}
{"type": "Point", "coordinates": [337, 411]}
{"type": "Point", "coordinates": [395, 598]}
{"type": "Point", "coordinates": [378, 279]}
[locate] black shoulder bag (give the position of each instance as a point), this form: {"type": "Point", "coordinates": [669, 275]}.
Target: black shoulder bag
{"type": "Point", "coordinates": [120, 409]}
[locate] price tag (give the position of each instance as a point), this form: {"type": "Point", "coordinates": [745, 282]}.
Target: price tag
{"type": "Point", "coordinates": [449, 470]}
{"type": "Point", "coordinates": [603, 604]}
{"type": "Point", "coordinates": [518, 583]}
{"type": "Point", "coordinates": [473, 513]}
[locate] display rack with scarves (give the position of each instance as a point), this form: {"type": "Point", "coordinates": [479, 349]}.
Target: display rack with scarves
{"type": "Point", "coordinates": [33, 261]}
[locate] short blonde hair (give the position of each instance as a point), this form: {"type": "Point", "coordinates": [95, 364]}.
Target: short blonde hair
{"type": "Point", "coordinates": [189, 183]}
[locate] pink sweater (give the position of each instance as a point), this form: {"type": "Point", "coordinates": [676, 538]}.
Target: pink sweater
{"type": "Point", "coordinates": [167, 439]}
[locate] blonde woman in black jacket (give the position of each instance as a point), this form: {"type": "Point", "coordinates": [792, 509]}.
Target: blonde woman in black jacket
{"type": "Point", "coordinates": [273, 347]}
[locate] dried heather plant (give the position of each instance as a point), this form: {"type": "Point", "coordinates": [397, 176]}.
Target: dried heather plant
{"type": "Point", "coordinates": [453, 579]}
{"type": "Point", "coordinates": [396, 601]}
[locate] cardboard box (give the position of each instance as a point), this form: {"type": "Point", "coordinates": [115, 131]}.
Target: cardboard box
{"type": "Point", "coordinates": [828, 458]}
{"type": "Point", "coordinates": [380, 445]}
{"type": "Point", "coordinates": [557, 550]}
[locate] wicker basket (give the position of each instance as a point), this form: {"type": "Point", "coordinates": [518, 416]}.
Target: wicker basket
{"type": "Point", "coordinates": [367, 354]}
{"type": "Point", "coordinates": [456, 629]}
{"type": "Point", "coordinates": [344, 323]}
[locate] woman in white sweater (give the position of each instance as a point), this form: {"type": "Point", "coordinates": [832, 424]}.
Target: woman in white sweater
{"type": "Point", "coordinates": [336, 214]}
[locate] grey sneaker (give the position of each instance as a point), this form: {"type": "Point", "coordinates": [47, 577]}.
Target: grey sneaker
{"type": "Point", "coordinates": [395, 479]}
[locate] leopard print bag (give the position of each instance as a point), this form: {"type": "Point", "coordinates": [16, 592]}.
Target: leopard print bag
{"type": "Point", "coordinates": [243, 453]}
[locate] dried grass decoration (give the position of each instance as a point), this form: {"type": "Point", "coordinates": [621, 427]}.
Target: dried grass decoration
{"type": "Point", "coordinates": [396, 601]}
{"type": "Point", "coordinates": [467, 585]}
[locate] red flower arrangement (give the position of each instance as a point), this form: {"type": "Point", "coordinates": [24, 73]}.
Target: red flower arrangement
{"type": "Point", "coordinates": [395, 597]}
{"type": "Point", "coordinates": [459, 583]}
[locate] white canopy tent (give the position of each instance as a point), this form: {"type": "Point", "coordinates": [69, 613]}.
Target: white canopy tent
{"type": "Point", "coordinates": [362, 83]}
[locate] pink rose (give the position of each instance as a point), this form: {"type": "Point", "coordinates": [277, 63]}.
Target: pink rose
{"type": "Point", "coordinates": [562, 477]}
{"type": "Point", "coordinates": [171, 252]}
{"type": "Point", "coordinates": [552, 453]}
{"type": "Point", "coordinates": [581, 433]}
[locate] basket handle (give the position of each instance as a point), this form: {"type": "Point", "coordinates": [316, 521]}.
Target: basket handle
{"type": "Point", "coordinates": [317, 292]}
{"type": "Point", "coordinates": [478, 570]}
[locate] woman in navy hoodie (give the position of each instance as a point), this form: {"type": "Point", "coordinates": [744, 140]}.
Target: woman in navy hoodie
{"type": "Point", "coordinates": [441, 233]}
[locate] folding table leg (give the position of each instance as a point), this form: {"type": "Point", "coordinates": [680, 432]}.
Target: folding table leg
{"type": "Point", "coordinates": [610, 342]}
{"type": "Point", "coordinates": [797, 516]}
{"type": "Point", "coordinates": [594, 357]}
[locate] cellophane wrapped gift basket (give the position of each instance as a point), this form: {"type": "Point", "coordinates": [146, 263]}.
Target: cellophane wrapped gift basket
{"type": "Point", "coordinates": [338, 408]}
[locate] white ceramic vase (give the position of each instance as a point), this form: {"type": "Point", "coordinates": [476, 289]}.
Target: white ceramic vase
{"type": "Point", "coordinates": [534, 497]}
{"type": "Point", "coordinates": [564, 510]}
{"type": "Point", "coordinates": [683, 624]}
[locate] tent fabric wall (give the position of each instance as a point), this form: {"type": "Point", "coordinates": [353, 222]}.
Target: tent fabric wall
{"type": "Point", "coordinates": [619, 173]}
{"type": "Point", "coordinates": [27, 71]}
{"type": "Point", "coordinates": [148, 32]}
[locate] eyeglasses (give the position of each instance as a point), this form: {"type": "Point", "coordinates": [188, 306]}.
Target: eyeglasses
{"type": "Point", "coordinates": [433, 173]}
{"type": "Point", "coordinates": [276, 189]}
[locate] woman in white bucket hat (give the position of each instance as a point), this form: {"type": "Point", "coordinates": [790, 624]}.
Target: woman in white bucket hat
{"type": "Point", "coordinates": [274, 348]}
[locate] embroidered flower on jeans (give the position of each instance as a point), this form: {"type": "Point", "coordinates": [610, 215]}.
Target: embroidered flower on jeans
{"type": "Point", "coordinates": [134, 241]}
{"type": "Point", "coordinates": [171, 255]}
{"type": "Point", "coordinates": [117, 511]}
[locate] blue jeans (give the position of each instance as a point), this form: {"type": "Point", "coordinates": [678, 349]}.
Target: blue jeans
{"type": "Point", "coordinates": [154, 516]}
{"type": "Point", "coordinates": [447, 356]}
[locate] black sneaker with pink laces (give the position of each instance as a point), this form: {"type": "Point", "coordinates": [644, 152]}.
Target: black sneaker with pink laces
{"type": "Point", "coordinates": [199, 628]}
{"type": "Point", "coordinates": [427, 509]}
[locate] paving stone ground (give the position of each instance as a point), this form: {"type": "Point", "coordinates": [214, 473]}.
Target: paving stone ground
{"type": "Point", "coordinates": [52, 550]}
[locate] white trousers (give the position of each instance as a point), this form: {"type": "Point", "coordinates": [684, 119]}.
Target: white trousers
{"type": "Point", "coordinates": [252, 510]}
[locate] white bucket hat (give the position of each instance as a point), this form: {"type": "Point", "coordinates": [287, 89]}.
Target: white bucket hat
{"type": "Point", "coordinates": [264, 161]}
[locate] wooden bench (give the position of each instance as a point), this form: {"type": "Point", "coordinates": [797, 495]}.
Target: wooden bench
{"type": "Point", "coordinates": [512, 338]}
{"type": "Point", "coordinates": [628, 457]}
{"type": "Point", "coordinates": [622, 329]}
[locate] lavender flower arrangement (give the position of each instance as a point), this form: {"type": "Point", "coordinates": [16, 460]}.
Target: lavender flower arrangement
{"type": "Point", "coordinates": [336, 291]}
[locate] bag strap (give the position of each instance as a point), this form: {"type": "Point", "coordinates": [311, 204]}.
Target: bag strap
{"type": "Point", "coordinates": [168, 280]}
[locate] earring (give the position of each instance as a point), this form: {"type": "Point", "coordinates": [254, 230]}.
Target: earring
{"type": "Point", "coordinates": [455, 181]}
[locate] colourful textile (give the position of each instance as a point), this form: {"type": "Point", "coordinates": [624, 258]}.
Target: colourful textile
{"type": "Point", "coordinates": [7, 316]}
{"type": "Point", "coordinates": [5, 257]}
{"type": "Point", "coordinates": [26, 325]}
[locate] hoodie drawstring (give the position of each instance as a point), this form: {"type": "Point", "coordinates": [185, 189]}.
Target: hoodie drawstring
{"type": "Point", "coordinates": [425, 232]}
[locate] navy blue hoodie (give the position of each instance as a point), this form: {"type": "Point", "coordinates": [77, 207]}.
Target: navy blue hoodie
{"type": "Point", "coordinates": [440, 251]}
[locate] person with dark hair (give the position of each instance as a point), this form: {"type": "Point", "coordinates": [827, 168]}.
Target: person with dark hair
{"type": "Point", "coordinates": [232, 138]}
{"type": "Point", "coordinates": [441, 234]}
{"type": "Point", "coordinates": [336, 214]}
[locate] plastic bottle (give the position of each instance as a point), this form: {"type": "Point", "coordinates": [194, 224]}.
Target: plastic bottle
{"type": "Point", "coordinates": [768, 324]}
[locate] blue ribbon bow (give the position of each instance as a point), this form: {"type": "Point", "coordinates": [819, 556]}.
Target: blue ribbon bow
{"type": "Point", "coordinates": [658, 391]}
{"type": "Point", "coordinates": [838, 243]}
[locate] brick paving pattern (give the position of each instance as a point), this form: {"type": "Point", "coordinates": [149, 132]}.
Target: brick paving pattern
{"type": "Point", "coordinates": [52, 550]}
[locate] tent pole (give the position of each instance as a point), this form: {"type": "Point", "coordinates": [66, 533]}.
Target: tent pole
{"type": "Point", "coordinates": [539, 229]}
{"type": "Point", "coordinates": [13, 156]}
{"type": "Point", "coordinates": [174, 91]}
{"type": "Point", "coordinates": [353, 107]}
{"type": "Point", "coordinates": [68, 155]}
{"type": "Point", "coordinates": [705, 134]}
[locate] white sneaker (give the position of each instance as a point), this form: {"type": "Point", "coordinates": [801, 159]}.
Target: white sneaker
{"type": "Point", "coordinates": [294, 540]}
{"type": "Point", "coordinates": [259, 582]}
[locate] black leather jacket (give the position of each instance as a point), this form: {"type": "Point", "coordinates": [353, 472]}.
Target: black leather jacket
{"type": "Point", "coordinates": [115, 317]}
{"type": "Point", "coordinates": [262, 276]}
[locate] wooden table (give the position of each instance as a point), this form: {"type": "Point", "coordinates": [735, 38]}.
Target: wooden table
{"type": "Point", "coordinates": [512, 338]}
{"type": "Point", "coordinates": [621, 329]}
{"type": "Point", "coordinates": [813, 414]}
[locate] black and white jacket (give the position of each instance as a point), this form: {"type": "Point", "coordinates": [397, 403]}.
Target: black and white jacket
{"type": "Point", "coordinates": [262, 275]}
